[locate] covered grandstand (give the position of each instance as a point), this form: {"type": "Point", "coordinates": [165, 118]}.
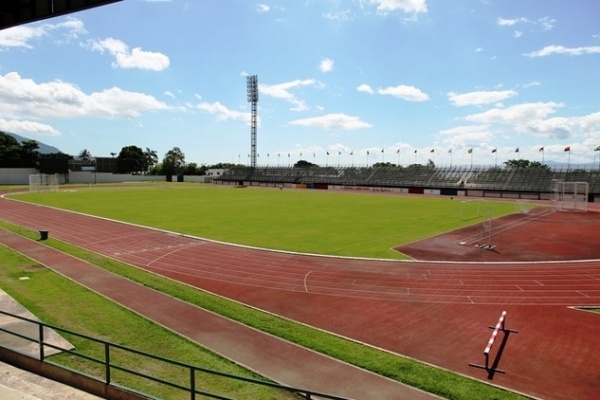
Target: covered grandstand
{"type": "Point", "coordinates": [529, 183]}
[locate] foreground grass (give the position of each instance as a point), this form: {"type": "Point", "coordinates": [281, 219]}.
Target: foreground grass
{"type": "Point", "coordinates": [61, 302]}
{"type": "Point", "coordinates": [311, 221]}
{"type": "Point", "coordinates": [430, 379]}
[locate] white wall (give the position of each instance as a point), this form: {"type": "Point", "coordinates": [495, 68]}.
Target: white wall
{"type": "Point", "coordinates": [16, 176]}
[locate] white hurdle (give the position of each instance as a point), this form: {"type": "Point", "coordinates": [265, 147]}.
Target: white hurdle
{"type": "Point", "coordinates": [500, 326]}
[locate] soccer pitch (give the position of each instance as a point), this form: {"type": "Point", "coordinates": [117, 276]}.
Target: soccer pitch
{"type": "Point", "coordinates": [309, 221]}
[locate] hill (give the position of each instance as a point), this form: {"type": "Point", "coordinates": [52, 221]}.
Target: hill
{"type": "Point", "coordinates": [43, 148]}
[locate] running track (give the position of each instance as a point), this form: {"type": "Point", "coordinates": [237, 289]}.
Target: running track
{"type": "Point", "coordinates": [435, 312]}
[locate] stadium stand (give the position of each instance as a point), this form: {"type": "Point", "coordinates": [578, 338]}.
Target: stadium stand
{"type": "Point", "coordinates": [500, 179]}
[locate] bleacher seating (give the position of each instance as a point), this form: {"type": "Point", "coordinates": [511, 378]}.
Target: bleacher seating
{"type": "Point", "coordinates": [530, 179]}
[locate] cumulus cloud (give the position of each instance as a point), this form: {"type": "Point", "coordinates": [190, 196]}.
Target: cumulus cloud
{"type": "Point", "coordinates": [518, 115]}
{"type": "Point", "coordinates": [24, 98]}
{"type": "Point", "coordinates": [263, 8]}
{"type": "Point", "coordinates": [27, 127]}
{"type": "Point", "coordinates": [407, 6]}
{"type": "Point", "coordinates": [460, 135]}
{"type": "Point", "coordinates": [126, 58]}
{"type": "Point", "coordinates": [24, 35]}
{"type": "Point", "coordinates": [339, 122]}
{"type": "Point", "coordinates": [404, 92]}
{"type": "Point", "coordinates": [223, 113]}
{"type": "Point", "coordinates": [569, 51]}
{"type": "Point", "coordinates": [480, 97]}
{"type": "Point", "coordinates": [283, 91]}
{"type": "Point", "coordinates": [326, 65]}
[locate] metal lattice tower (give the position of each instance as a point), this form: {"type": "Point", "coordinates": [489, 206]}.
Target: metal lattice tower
{"type": "Point", "coordinates": [252, 87]}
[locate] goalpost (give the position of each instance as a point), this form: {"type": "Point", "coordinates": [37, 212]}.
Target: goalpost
{"type": "Point", "coordinates": [471, 209]}
{"type": "Point", "coordinates": [43, 182]}
{"type": "Point", "coordinates": [570, 196]}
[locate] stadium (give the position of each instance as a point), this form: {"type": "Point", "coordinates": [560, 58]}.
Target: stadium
{"type": "Point", "coordinates": [320, 282]}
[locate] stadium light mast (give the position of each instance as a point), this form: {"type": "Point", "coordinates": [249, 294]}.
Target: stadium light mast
{"type": "Point", "coordinates": [252, 88]}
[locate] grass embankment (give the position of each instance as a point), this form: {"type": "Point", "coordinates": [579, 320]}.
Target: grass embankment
{"type": "Point", "coordinates": [310, 221]}
{"type": "Point", "coordinates": [61, 302]}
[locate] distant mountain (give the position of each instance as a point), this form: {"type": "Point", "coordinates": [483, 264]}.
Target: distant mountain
{"type": "Point", "coordinates": [43, 148]}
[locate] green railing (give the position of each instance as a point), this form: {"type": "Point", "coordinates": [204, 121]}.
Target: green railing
{"type": "Point", "coordinates": [109, 366]}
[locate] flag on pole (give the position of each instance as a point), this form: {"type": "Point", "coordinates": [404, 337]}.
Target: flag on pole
{"type": "Point", "coordinates": [327, 153]}
{"type": "Point", "coordinates": [339, 153]}
{"type": "Point", "coordinates": [415, 151]}
{"type": "Point", "coordinates": [541, 148]}
{"type": "Point", "coordinates": [352, 153]}
{"type": "Point", "coordinates": [450, 151]}
{"type": "Point", "coordinates": [382, 150]}
{"type": "Point", "coordinates": [432, 151]}
{"type": "Point", "coordinates": [568, 148]}
{"type": "Point", "coordinates": [470, 151]}
{"type": "Point", "coordinates": [597, 148]}
{"type": "Point", "coordinates": [367, 152]}
{"type": "Point", "coordinates": [398, 151]}
{"type": "Point", "coordinates": [517, 150]}
{"type": "Point", "coordinates": [496, 149]}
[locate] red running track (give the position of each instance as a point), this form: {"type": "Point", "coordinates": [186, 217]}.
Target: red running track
{"type": "Point", "coordinates": [432, 311]}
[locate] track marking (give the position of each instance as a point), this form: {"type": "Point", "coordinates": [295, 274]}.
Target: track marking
{"type": "Point", "coordinates": [305, 279]}
{"type": "Point", "coordinates": [171, 252]}
{"type": "Point", "coordinates": [520, 288]}
{"type": "Point", "coordinates": [539, 283]}
{"type": "Point", "coordinates": [583, 294]}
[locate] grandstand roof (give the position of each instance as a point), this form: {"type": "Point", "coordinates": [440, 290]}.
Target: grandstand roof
{"type": "Point", "coordinates": [18, 12]}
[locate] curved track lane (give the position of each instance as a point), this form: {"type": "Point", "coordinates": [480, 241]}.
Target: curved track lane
{"type": "Point", "coordinates": [436, 312]}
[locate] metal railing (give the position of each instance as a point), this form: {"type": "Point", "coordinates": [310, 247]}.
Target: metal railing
{"type": "Point", "coordinates": [108, 365]}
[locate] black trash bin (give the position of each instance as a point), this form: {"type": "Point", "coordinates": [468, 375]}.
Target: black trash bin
{"type": "Point", "coordinates": [43, 234]}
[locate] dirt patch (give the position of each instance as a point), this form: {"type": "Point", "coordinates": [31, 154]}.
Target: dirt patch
{"type": "Point", "coordinates": [539, 235]}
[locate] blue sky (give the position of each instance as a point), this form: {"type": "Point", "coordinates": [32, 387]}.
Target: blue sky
{"type": "Point", "coordinates": [402, 80]}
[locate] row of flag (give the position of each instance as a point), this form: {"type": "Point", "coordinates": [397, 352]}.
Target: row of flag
{"type": "Point", "coordinates": [470, 151]}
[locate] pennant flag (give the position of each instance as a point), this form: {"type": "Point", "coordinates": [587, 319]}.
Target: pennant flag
{"type": "Point", "coordinates": [541, 148]}
{"type": "Point", "coordinates": [398, 151]}
{"type": "Point", "coordinates": [382, 150]}
{"type": "Point", "coordinates": [327, 153]}
{"type": "Point", "coordinates": [496, 149]}
{"type": "Point", "coordinates": [288, 154]}
{"type": "Point", "coordinates": [352, 153]}
{"type": "Point", "coordinates": [597, 148]}
{"type": "Point", "coordinates": [367, 152]}
{"type": "Point", "coordinates": [568, 148]}
{"type": "Point", "coordinates": [450, 151]}
{"type": "Point", "coordinates": [517, 150]}
{"type": "Point", "coordinates": [470, 151]}
{"type": "Point", "coordinates": [415, 151]}
{"type": "Point", "coordinates": [278, 154]}
{"type": "Point", "coordinates": [432, 151]}
{"type": "Point", "coordinates": [301, 154]}
{"type": "Point", "coordinates": [339, 153]}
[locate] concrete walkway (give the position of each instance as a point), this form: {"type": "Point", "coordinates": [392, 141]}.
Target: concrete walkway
{"type": "Point", "coordinates": [271, 357]}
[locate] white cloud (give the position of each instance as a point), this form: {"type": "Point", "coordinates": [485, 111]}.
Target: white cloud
{"type": "Point", "coordinates": [517, 114]}
{"type": "Point", "coordinates": [124, 58]}
{"type": "Point", "coordinates": [345, 15]}
{"type": "Point", "coordinates": [341, 122]}
{"type": "Point", "coordinates": [480, 97]}
{"type": "Point", "coordinates": [408, 93]}
{"type": "Point", "coordinates": [365, 88]}
{"type": "Point", "coordinates": [326, 65]}
{"type": "Point", "coordinates": [223, 113]}
{"type": "Point", "coordinates": [263, 8]}
{"type": "Point", "coordinates": [24, 35]}
{"type": "Point", "coordinates": [570, 51]}
{"type": "Point", "coordinates": [24, 98]}
{"type": "Point", "coordinates": [459, 135]}
{"type": "Point", "coordinates": [407, 6]}
{"type": "Point", "coordinates": [282, 91]}
{"type": "Point", "coordinates": [29, 127]}
{"type": "Point", "coordinates": [405, 92]}
{"type": "Point", "coordinates": [518, 34]}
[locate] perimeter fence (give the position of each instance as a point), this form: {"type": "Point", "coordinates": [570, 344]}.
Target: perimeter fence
{"type": "Point", "coordinates": [110, 364]}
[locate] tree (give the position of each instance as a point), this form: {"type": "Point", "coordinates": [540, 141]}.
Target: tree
{"type": "Point", "coordinates": [304, 164]}
{"type": "Point", "coordinates": [85, 155]}
{"type": "Point", "coordinates": [10, 151]}
{"type": "Point", "coordinates": [30, 154]}
{"type": "Point", "coordinates": [174, 162]}
{"type": "Point", "coordinates": [151, 158]}
{"type": "Point", "coordinates": [525, 164]}
{"type": "Point", "coordinates": [131, 159]}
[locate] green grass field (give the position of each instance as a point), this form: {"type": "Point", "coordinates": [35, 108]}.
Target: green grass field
{"type": "Point", "coordinates": [320, 222]}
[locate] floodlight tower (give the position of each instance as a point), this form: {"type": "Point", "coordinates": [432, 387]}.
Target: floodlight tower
{"type": "Point", "coordinates": [252, 86]}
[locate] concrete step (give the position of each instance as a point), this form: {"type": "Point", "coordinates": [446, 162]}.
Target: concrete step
{"type": "Point", "coordinates": [16, 384]}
